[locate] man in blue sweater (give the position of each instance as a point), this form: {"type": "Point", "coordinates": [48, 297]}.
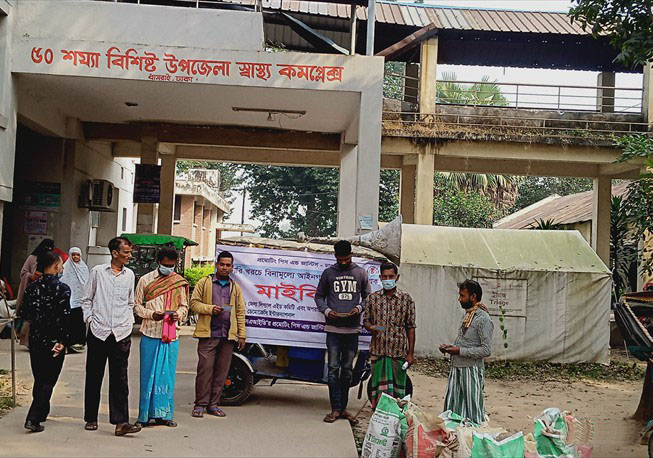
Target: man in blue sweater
{"type": "Point", "coordinates": [340, 296]}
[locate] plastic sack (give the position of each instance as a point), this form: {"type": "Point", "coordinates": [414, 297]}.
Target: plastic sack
{"type": "Point", "coordinates": [453, 420]}
{"type": "Point", "coordinates": [427, 435]}
{"type": "Point", "coordinates": [386, 431]}
{"type": "Point", "coordinates": [486, 446]}
{"type": "Point", "coordinates": [465, 436]}
{"type": "Point", "coordinates": [551, 434]}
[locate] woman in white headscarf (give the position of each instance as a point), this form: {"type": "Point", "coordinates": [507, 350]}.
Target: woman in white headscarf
{"type": "Point", "coordinates": [75, 275]}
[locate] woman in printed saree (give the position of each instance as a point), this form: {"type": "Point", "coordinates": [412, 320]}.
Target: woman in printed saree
{"type": "Point", "coordinates": [162, 301]}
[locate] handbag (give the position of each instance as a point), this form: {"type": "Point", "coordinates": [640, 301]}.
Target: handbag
{"type": "Point", "coordinates": [169, 331]}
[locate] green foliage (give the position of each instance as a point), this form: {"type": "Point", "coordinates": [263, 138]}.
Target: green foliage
{"type": "Point", "coordinates": [194, 274]}
{"type": "Point", "coordinates": [306, 199]}
{"type": "Point", "coordinates": [534, 189]}
{"type": "Point", "coordinates": [635, 147]}
{"type": "Point", "coordinates": [484, 93]}
{"type": "Point", "coordinates": [393, 86]}
{"type": "Point", "coordinates": [539, 370]}
{"type": "Point", "coordinates": [628, 23]}
{"type": "Point", "coordinates": [389, 195]}
{"type": "Point", "coordinates": [546, 225]}
{"type": "Point", "coordinates": [623, 246]}
{"type": "Point", "coordinates": [453, 207]}
{"type": "Point", "coordinates": [637, 210]}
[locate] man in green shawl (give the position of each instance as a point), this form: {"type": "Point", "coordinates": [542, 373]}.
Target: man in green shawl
{"type": "Point", "coordinates": [390, 317]}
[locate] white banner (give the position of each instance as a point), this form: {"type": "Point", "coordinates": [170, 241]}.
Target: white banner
{"type": "Point", "coordinates": [279, 288]}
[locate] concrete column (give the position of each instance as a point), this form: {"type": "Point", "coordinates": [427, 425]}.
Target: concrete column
{"type": "Point", "coordinates": [424, 186]}
{"type": "Point", "coordinates": [167, 204]}
{"type": "Point", "coordinates": [353, 25]}
{"type": "Point", "coordinates": [601, 204]}
{"type": "Point", "coordinates": [605, 92]}
{"type": "Point", "coordinates": [360, 167]}
{"type": "Point", "coordinates": [407, 193]}
{"type": "Point", "coordinates": [428, 75]}
{"type": "Point", "coordinates": [647, 96]}
{"type": "Point", "coordinates": [146, 216]}
{"type": "Point", "coordinates": [69, 194]}
{"type": "Point", "coordinates": [411, 83]}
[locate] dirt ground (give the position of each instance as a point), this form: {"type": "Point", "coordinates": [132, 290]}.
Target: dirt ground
{"type": "Point", "coordinates": [512, 404]}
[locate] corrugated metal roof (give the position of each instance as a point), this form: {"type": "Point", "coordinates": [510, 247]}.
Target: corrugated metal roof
{"type": "Point", "coordinates": [510, 250]}
{"type": "Point", "coordinates": [571, 209]}
{"type": "Point", "coordinates": [447, 18]}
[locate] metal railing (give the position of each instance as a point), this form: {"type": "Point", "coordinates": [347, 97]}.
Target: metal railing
{"type": "Point", "coordinates": [568, 98]}
{"type": "Point", "coordinates": [258, 4]}
{"type": "Point", "coordinates": [441, 124]}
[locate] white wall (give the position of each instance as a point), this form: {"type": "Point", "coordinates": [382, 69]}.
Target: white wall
{"type": "Point", "coordinates": [146, 24]}
{"type": "Point", "coordinates": [7, 104]}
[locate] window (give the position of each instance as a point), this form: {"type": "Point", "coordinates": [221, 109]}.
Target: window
{"type": "Point", "coordinates": [176, 215]}
{"type": "Point", "coordinates": [124, 220]}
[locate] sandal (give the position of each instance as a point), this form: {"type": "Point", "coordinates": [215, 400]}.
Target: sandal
{"type": "Point", "coordinates": [91, 426]}
{"type": "Point", "coordinates": [198, 412]}
{"type": "Point", "coordinates": [331, 417]}
{"type": "Point", "coordinates": [216, 412]}
{"type": "Point", "coordinates": [352, 420]}
{"type": "Point", "coordinates": [168, 423]}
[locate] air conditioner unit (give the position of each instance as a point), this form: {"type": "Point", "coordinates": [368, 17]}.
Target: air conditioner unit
{"type": "Point", "coordinates": [102, 195]}
{"type": "Point", "coordinates": [86, 195]}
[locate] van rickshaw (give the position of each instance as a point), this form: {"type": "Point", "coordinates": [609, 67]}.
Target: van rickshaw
{"type": "Point", "coordinates": [262, 362]}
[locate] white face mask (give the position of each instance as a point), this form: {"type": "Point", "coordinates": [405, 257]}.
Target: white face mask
{"type": "Point", "coordinates": [165, 271]}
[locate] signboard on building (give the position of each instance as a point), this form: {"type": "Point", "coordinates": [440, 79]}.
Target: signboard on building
{"type": "Point", "coordinates": [36, 222]}
{"type": "Point", "coordinates": [42, 195]}
{"type": "Point", "coordinates": [279, 290]}
{"type": "Point", "coordinates": [147, 184]}
{"type": "Point", "coordinates": [509, 293]}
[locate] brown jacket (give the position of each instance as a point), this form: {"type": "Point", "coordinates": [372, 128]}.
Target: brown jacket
{"type": "Point", "coordinates": [202, 303]}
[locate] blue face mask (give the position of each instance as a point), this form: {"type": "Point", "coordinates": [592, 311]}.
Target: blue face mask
{"type": "Point", "coordinates": [389, 284]}
{"type": "Point", "coordinates": [165, 271]}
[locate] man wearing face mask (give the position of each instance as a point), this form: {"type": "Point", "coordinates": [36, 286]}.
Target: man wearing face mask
{"type": "Point", "coordinates": [390, 317]}
{"type": "Point", "coordinates": [474, 342]}
{"type": "Point", "coordinates": [162, 301]}
{"type": "Point", "coordinates": [340, 295]}
{"type": "Point", "coordinates": [108, 306]}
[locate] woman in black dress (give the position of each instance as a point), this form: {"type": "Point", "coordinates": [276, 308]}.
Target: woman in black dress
{"type": "Point", "coordinates": [47, 308]}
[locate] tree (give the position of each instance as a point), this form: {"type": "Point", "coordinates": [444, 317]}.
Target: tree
{"type": "Point", "coordinates": [454, 207]}
{"type": "Point", "coordinates": [393, 83]}
{"type": "Point", "coordinates": [623, 246]}
{"type": "Point", "coordinates": [628, 23]}
{"type": "Point", "coordinates": [305, 199]}
{"type": "Point", "coordinates": [485, 92]}
{"type": "Point", "coordinates": [534, 189]}
{"type": "Point", "coordinates": [500, 189]}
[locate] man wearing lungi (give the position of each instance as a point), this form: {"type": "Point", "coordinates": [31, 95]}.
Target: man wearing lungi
{"type": "Point", "coordinates": [390, 317]}
{"type": "Point", "coordinates": [474, 342]}
{"type": "Point", "coordinates": [162, 301]}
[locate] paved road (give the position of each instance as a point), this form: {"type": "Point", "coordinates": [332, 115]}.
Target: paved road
{"type": "Point", "coordinates": [282, 420]}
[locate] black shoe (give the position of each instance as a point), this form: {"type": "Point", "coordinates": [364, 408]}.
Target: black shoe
{"type": "Point", "coordinates": [126, 428]}
{"type": "Point", "coordinates": [33, 426]}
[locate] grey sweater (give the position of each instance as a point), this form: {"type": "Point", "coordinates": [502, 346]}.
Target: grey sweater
{"type": "Point", "coordinates": [341, 289]}
{"type": "Point", "coordinates": [476, 343]}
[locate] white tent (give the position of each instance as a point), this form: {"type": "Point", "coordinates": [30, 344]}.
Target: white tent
{"type": "Point", "coordinates": [554, 289]}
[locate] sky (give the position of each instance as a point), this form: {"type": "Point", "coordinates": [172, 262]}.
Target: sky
{"type": "Point", "coordinates": [524, 5]}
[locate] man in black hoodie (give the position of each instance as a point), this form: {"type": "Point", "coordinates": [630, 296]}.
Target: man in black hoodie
{"type": "Point", "coordinates": [340, 296]}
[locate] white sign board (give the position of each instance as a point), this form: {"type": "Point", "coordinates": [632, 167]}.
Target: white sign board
{"type": "Point", "coordinates": [510, 293]}
{"type": "Point", "coordinates": [279, 290]}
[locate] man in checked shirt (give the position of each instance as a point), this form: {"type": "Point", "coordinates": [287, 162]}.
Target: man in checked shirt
{"type": "Point", "coordinates": [108, 305]}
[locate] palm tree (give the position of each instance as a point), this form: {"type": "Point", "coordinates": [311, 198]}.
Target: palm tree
{"type": "Point", "coordinates": [501, 189]}
{"type": "Point", "coordinates": [485, 92]}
